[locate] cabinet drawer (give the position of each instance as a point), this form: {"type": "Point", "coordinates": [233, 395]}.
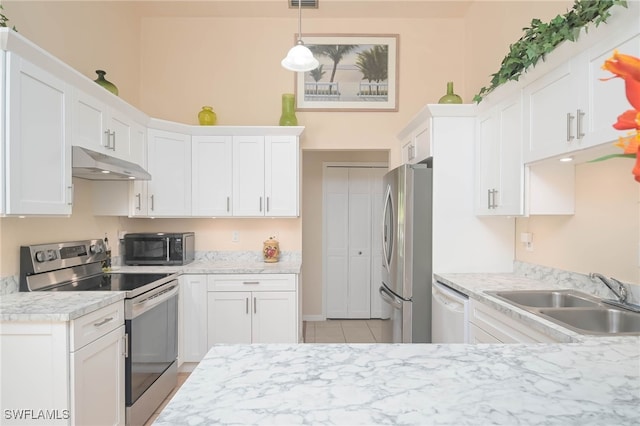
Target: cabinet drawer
{"type": "Point", "coordinates": [96, 324]}
{"type": "Point", "coordinates": [252, 282]}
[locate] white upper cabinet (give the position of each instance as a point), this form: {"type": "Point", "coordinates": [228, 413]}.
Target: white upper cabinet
{"type": "Point", "coordinates": [37, 149]}
{"type": "Point", "coordinates": [281, 178]}
{"type": "Point", "coordinates": [265, 176]}
{"type": "Point", "coordinates": [100, 128]}
{"type": "Point", "coordinates": [248, 176]}
{"type": "Point", "coordinates": [499, 170]}
{"type": "Point", "coordinates": [169, 163]}
{"type": "Point", "coordinates": [212, 175]}
{"type": "Point", "coordinates": [569, 108]}
{"type": "Point", "coordinates": [416, 139]}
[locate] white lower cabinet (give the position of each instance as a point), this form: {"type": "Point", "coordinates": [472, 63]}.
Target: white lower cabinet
{"type": "Point", "coordinates": [193, 318]}
{"type": "Point", "coordinates": [253, 308]}
{"type": "Point", "coordinates": [65, 373]}
{"type": "Point", "coordinates": [487, 325]}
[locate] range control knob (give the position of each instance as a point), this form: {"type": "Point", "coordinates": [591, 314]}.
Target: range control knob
{"type": "Point", "coordinates": [51, 255]}
{"type": "Point", "coordinates": [95, 249]}
{"type": "Point", "coordinates": [40, 257]}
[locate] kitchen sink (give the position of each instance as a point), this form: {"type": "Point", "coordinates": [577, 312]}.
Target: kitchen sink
{"type": "Point", "coordinates": [548, 298]}
{"type": "Point", "coordinates": [596, 320]}
{"type": "Point", "coordinates": [577, 311]}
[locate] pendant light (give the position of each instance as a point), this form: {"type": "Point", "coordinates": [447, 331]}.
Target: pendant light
{"type": "Point", "coordinates": [300, 58]}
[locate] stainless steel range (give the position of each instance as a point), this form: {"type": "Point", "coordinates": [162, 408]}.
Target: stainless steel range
{"type": "Point", "coordinates": [151, 314]}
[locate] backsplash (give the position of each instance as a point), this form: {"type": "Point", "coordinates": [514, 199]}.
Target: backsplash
{"type": "Point", "coordinates": [575, 280]}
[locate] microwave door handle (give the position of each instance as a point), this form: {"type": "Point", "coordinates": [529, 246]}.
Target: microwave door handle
{"type": "Point", "coordinates": [168, 249]}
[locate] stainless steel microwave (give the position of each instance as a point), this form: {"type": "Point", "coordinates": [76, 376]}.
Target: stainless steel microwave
{"type": "Point", "coordinates": [159, 248]}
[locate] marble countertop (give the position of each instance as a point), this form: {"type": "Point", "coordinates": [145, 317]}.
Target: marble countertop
{"type": "Point", "coordinates": [54, 306]}
{"type": "Point", "coordinates": [592, 383]}
{"type": "Point", "coordinates": [205, 266]}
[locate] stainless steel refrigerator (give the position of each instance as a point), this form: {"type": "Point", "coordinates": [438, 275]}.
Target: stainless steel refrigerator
{"type": "Point", "coordinates": [406, 241]}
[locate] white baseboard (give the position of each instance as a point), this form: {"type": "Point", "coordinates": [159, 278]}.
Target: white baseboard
{"type": "Point", "coordinates": [313, 318]}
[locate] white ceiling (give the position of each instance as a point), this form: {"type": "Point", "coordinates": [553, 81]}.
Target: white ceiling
{"type": "Point", "coordinates": [327, 9]}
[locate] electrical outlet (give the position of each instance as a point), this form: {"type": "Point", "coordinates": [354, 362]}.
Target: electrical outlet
{"type": "Point", "coordinates": [235, 236]}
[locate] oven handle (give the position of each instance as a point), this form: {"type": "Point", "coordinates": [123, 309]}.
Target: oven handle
{"type": "Point", "coordinates": [145, 303]}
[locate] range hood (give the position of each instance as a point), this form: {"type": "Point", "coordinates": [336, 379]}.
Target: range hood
{"type": "Point", "coordinates": [87, 164]}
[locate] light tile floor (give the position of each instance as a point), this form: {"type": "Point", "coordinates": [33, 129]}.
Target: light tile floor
{"type": "Point", "coordinates": [182, 377]}
{"type": "Point", "coordinates": [343, 331]}
{"type": "Point", "coordinates": [330, 331]}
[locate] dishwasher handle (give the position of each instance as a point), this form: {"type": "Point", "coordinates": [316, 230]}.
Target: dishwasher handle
{"type": "Point", "coordinates": [447, 298]}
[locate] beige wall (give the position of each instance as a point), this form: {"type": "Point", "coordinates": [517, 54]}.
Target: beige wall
{"type": "Point", "coordinates": [602, 236]}
{"type": "Point", "coordinates": [170, 66]}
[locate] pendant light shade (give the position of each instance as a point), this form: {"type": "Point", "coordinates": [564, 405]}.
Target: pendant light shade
{"type": "Point", "coordinates": [300, 58]}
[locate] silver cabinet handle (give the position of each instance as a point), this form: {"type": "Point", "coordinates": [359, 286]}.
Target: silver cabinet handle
{"type": "Point", "coordinates": [251, 282]}
{"type": "Point", "coordinates": [579, 115]}
{"type": "Point", "coordinates": [70, 195]}
{"type": "Point", "coordinates": [139, 198]}
{"type": "Point", "coordinates": [152, 203]}
{"type": "Point", "coordinates": [569, 120]}
{"type": "Point", "coordinates": [103, 322]}
{"type": "Point", "coordinates": [267, 203]}
{"type": "Point", "coordinates": [228, 203]}
{"type": "Point", "coordinates": [246, 307]}
{"type": "Point", "coordinates": [260, 203]}
{"type": "Point", "coordinates": [255, 306]}
{"type": "Point", "coordinates": [488, 199]}
{"type": "Point", "coordinates": [126, 345]}
{"type": "Point", "coordinates": [495, 203]}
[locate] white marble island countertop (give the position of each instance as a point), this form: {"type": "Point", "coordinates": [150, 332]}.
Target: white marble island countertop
{"type": "Point", "coordinates": [592, 383]}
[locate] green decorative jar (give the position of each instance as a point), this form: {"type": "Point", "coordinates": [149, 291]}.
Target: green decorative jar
{"type": "Point", "coordinates": [288, 117]}
{"type": "Point", "coordinates": [105, 83]}
{"type": "Point", "coordinates": [207, 117]}
{"type": "Point", "coordinates": [450, 97]}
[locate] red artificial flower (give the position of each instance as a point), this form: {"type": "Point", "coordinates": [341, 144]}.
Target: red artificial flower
{"type": "Point", "coordinates": [628, 120]}
{"type": "Point", "coordinates": [627, 68]}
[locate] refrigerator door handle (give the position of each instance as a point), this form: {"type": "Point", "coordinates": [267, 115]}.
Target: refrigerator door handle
{"type": "Point", "coordinates": [387, 240]}
{"type": "Point", "coordinates": [390, 298]}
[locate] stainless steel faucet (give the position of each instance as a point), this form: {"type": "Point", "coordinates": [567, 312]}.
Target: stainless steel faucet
{"type": "Point", "coordinates": [620, 292]}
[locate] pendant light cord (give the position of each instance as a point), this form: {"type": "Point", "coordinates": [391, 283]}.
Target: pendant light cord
{"type": "Point", "coordinates": [299, 20]}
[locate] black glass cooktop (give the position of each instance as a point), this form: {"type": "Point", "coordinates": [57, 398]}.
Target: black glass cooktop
{"type": "Point", "coordinates": [111, 282]}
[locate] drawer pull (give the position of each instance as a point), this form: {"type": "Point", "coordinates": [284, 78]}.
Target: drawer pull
{"type": "Point", "coordinates": [250, 282]}
{"type": "Point", "coordinates": [103, 322]}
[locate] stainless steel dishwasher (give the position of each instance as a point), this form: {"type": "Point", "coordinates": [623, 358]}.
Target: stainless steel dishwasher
{"type": "Point", "coordinates": [450, 310]}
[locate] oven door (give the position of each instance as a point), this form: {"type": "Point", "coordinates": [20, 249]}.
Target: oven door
{"type": "Point", "coordinates": [151, 321]}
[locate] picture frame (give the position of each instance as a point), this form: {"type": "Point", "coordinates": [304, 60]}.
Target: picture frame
{"type": "Point", "coordinates": [364, 77]}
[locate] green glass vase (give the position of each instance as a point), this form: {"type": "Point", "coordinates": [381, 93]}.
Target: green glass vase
{"type": "Point", "coordinates": [105, 83]}
{"type": "Point", "coordinates": [450, 97]}
{"type": "Point", "coordinates": [207, 117]}
{"type": "Point", "coordinates": [288, 117]}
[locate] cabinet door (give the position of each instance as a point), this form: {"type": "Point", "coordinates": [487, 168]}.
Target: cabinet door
{"type": "Point", "coordinates": [281, 176]}
{"type": "Point", "coordinates": [274, 317]}
{"type": "Point", "coordinates": [228, 317]}
{"type": "Point", "coordinates": [120, 127]}
{"type": "Point", "coordinates": [193, 306]}
{"type": "Point", "coordinates": [90, 123]}
{"type": "Point", "coordinates": [509, 199]}
{"type": "Point", "coordinates": [97, 381]}
{"type": "Point", "coordinates": [212, 175]}
{"type": "Point", "coordinates": [248, 176]}
{"type": "Point", "coordinates": [169, 163]}
{"type": "Point", "coordinates": [549, 112]}
{"type": "Point", "coordinates": [487, 161]}
{"type": "Point", "coordinates": [138, 199]}
{"type": "Point", "coordinates": [38, 148]}
{"type": "Point", "coordinates": [422, 142]}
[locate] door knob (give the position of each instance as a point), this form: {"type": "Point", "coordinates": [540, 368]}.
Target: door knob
{"type": "Point", "coordinates": [359, 252]}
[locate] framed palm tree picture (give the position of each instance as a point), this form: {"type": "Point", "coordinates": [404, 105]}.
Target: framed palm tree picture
{"type": "Point", "coordinates": [356, 73]}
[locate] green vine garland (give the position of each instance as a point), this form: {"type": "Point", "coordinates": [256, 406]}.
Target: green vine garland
{"type": "Point", "coordinates": [541, 38]}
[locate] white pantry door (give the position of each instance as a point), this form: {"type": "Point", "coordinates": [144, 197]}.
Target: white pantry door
{"type": "Point", "coordinates": [352, 247]}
